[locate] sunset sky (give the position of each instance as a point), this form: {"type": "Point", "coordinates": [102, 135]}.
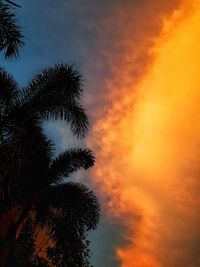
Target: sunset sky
{"type": "Point", "coordinates": [140, 60]}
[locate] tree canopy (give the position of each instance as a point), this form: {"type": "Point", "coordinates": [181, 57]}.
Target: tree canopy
{"type": "Point", "coordinates": [36, 199]}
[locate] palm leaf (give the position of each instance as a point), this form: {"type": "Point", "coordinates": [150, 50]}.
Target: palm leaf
{"type": "Point", "coordinates": [71, 112]}
{"type": "Point", "coordinates": [70, 205]}
{"type": "Point", "coordinates": [9, 89]}
{"type": "Point", "coordinates": [8, 98]}
{"type": "Point", "coordinates": [10, 33]}
{"type": "Point", "coordinates": [12, 3]}
{"type": "Point", "coordinates": [70, 161]}
{"type": "Point", "coordinates": [55, 93]}
{"type": "Point", "coordinates": [61, 79]}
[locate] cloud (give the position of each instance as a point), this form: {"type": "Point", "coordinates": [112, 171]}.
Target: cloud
{"type": "Point", "coordinates": [146, 132]}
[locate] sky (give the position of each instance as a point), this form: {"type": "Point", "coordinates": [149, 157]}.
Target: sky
{"type": "Point", "coordinates": [139, 59]}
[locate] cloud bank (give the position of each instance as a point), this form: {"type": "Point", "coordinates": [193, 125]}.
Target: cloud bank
{"type": "Point", "coordinates": [146, 132]}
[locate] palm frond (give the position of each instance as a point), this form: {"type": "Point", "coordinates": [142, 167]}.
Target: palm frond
{"type": "Point", "coordinates": [9, 89]}
{"type": "Point", "coordinates": [70, 161]}
{"type": "Point", "coordinates": [77, 208]}
{"type": "Point", "coordinates": [55, 93]}
{"type": "Point", "coordinates": [12, 3]}
{"type": "Point", "coordinates": [32, 175]}
{"type": "Point", "coordinates": [71, 112]}
{"type": "Point", "coordinates": [8, 98]}
{"type": "Point", "coordinates": [61, 80]}
{"type": "Point", "coordinates": [11, 38]}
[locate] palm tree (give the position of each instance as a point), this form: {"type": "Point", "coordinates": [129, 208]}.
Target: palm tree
{"type": "Point", "coordinates": [11, 38]}
{"type": "Point", "coordinates": [32, 180]}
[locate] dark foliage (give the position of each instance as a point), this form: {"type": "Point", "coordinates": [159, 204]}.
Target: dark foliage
{"type": "Point", "coordinates": [30, 174]}
{"type": "Point", "coordinates": [23, 144]}
{"type": "Point", "coordinates": [32, 180]}
{"type": "Point", "coordinates": [76, 158]}
{"type": "Point", "coordinates": [24, 251]}
{"type": "Point", "coordinates": [11, 38]}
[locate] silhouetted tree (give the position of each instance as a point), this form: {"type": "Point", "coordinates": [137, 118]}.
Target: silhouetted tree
{"type": "Point", "coordinates": [11, 38]}
{"type": "Point", "coordinates": [32, 190]}
{"type": "Point", "coordinates": [32, 180]}
{"type": "Point", "coordinates": [23, 254]}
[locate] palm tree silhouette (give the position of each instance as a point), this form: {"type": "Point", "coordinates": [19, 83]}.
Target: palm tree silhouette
{"type": "Point", "coordinates": [11, 38]}
{"type": "Point", "coordinates": [32, 180]}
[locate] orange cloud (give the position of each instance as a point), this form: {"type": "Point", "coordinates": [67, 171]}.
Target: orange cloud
{"type": "Point", "coordinates": [146, 139]}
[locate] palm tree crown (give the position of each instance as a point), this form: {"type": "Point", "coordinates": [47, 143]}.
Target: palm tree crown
{"type": "Point", "coordinates": [31, 176]}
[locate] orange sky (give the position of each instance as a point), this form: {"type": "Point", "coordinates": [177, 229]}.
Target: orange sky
{"type": "Point", "coordinates": [146, 140]}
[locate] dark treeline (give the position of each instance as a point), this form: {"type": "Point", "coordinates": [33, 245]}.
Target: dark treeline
{"type": "Point", "coordinates": [44, 219]}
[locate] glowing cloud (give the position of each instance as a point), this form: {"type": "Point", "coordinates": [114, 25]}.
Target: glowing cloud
{"type": "Point", "coordinates": [147, 146]}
